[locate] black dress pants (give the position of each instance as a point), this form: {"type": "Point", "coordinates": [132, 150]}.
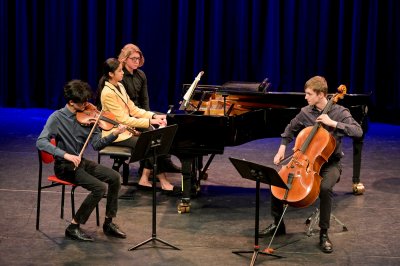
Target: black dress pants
{"type": "Point", "coordinates": [330, 173]}
{"type": "Point", "coordinates": [93, 177]}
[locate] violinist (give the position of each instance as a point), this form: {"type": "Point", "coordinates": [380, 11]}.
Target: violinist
{"type": "Point", "coordinates": [338, 122]}
{"type": "Point", "coordinates": [70, 136]}
{"type": "Point", "coordinates": [114, 99]}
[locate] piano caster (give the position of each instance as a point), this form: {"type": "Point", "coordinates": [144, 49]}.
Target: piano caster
{"type": "Point", "coordinates": [184, 206]}
{"type": "Point", "coordinates": [358, 189]}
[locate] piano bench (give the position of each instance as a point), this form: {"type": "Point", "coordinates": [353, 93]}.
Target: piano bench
{"type": "Point", "coordinates": [121, 156]}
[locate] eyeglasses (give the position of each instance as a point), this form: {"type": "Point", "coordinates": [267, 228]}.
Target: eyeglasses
{"type": "Point", "coordinates": [135, 58]}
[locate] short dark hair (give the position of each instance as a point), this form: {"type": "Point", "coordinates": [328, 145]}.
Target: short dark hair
{"type": "Point", "coordinates": [78, 91]}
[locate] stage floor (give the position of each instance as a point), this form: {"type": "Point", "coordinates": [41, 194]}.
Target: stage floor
{"type": "Point", "coordinates": [222, 218]}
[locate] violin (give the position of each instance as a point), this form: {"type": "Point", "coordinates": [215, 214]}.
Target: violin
{"type": "Point", "coordinates": [106, 119]}
{"type": "Point", "coordinates": [314, 145]}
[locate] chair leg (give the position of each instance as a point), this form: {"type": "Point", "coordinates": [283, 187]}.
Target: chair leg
{"type": "Point", "coordinates": [62, 201]}
{"type": "Point", "coordinates": [125, 173]}
{"type": "Point", "coordinates": [312, 222]}
{"type": "Point", "coordinates": [73, 206]}
{"type": "Point", "coordinates": [344, 227]}
{"type": "Point", "coordinates": [118, 161]}
{"type": "Point", "coordinates": [73, 201]}
{"type": "Point", "coordinates": [97, 215]}
{"type": "Point", "coordinates": [38, 207]}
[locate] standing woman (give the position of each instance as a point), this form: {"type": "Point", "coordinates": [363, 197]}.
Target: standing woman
{"type": "Point", "coordinates": [114, 98]}
{"type": "Point", "coordinates": [134, 80]}
{"type": "Point", "coordinates": [135, 83]}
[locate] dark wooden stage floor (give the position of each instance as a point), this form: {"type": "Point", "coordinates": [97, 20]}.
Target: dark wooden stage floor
{"type": "Point", "coordinates": [221, 218]}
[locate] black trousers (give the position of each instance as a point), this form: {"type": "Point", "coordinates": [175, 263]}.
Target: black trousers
{"type": "Point", "coordinates": [93, 177]}
{"type": "Point", "coordinates": [330, 173]}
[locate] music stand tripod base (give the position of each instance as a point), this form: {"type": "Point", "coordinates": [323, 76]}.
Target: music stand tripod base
{"type": "Point", "coordinates": [152, 144]}
{"type": "Point", "coordinates": [260, 174]}
{"type": "Point", "coordinates": [153, 239]}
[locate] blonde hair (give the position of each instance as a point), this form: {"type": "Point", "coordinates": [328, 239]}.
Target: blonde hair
{"type": "Point", "coordinates": [318, 84]}
{"type": "Point", "coordinates": [127, 51]}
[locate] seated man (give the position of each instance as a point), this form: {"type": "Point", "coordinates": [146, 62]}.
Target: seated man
{"type": "Point", "coordinates": [70, 166]}
{"type": "Point", "coordinates": [338, 122]}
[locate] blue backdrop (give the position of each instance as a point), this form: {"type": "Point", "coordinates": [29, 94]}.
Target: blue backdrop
{"type": "Point", "coordinates": [46, 43]}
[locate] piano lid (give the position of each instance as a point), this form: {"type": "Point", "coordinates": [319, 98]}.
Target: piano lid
{"type": "Point", "coordinates": [247, 93]}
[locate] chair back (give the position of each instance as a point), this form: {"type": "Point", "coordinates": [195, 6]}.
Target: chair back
{"type": "Point", "coordinates": [46, 157]}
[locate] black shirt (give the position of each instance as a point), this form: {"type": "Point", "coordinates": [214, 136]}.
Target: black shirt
{"type": "Point", "coordinates": [346, 125]}
{"type": "Point", "coordinates": [69, 134]}
{"type": "Point", "coordinates": [136, 86]}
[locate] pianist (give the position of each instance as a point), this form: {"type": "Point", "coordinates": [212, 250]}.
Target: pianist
{"type": "Point", "coordinates": [113, 98]}
{"type": "Point", "coordinates": [135, 83]}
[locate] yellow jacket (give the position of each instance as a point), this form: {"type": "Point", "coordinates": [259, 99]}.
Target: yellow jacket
{"type": "Point", "coordinates": [125, 111]}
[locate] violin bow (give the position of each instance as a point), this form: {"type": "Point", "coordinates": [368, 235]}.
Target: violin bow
{"type": "Point", "coordinates": [90, 135]}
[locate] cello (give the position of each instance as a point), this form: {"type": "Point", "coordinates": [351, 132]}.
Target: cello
{"type": "Point", "coordinates": [313, 146]}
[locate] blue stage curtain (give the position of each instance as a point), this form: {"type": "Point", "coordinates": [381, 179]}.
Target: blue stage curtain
{"type": "Point", "coordinates": [47, 43]}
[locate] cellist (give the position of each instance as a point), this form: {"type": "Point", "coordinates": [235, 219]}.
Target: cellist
{"type": "Point", "coordinates": [338, 122]}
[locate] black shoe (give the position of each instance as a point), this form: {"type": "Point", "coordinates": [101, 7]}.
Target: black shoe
{"type": "Point", "coordinates": [170, 167]}
{"type": "Point", "coordinates": [144, 188]}
{"type": "Point", "coordinates": [176, 191]}
{"type": "Point", "coordinates": [77, 234]}
{"type": "Point", "coordinates": [325, 244]}
{"type": "Point", "coordinates": [111, 229]}
{"type": "Point", "coordinates": [269, 231]}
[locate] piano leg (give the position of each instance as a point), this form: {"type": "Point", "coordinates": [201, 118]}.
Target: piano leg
{"type": "Point", "coordinates": [192, 174]}
{"type": "Point", "coordinates": [187, 172]}
{"type": "Point", "coordinates": [187, 182]}
{"type": "Point", "coordinates": [358, 187]}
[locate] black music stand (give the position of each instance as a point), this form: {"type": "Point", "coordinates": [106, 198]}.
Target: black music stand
{"type": "Point", "coordinates": [152, 144]}
{"type": "Point", "coordinates": [260, 174]}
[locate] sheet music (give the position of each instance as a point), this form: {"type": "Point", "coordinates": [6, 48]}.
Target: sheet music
{"type": "Point", "coordinates": [189, 92]}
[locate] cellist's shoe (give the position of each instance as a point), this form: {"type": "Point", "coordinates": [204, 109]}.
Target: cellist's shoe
{"type": "Point", "coordinates": [269, 231]}
{"type": "Point", "coordinates": [325, 244]}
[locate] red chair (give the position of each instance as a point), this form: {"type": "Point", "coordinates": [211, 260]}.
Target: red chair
{"type": "Point", "coordinates": [46, 158]}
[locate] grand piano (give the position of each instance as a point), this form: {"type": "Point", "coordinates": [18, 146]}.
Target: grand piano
{"type": "Point", "coordinates": [236, 113]}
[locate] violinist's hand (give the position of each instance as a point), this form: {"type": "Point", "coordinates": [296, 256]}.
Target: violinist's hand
{"type": "Point", "coordinates": [280, 154]}
{"type": "Point", "coordinates": [326, 120]}
{"type": "Point", "coordinates": [120, 129]}
{"type": "Point", "coordinates": [75, 159]}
